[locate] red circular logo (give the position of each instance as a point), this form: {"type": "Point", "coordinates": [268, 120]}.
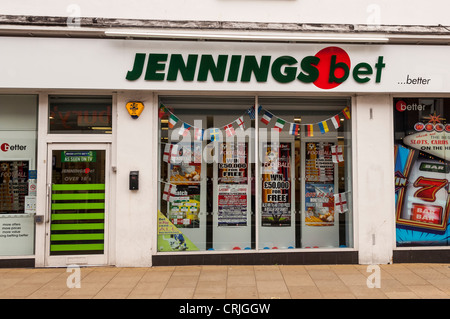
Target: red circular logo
{"type": "Point", "coordinates": [338, 71]}
{"type": "Point", "coordinates": [419, 126]}
{"type": "Point", "coordinates": [447, 127]}
{"type": "Point", "coordinates": [439, 127]}
{"type": "Point", "coordinates": [4, 147]}
{"type": "Point", "coordinates": [400, 106]}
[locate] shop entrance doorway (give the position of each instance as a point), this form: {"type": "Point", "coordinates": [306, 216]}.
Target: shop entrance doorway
{"type": "Point", "coordinates": [77, 212]}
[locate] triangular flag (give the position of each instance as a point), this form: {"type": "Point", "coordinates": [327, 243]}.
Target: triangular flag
{"type": "Point", "coordinates": [266, 117]}
{"type": "Point", "coordinates": [173, 120]}
{"type": "Point", "coordinates": [347, 113]}
{"type": "Point", "coordinates": [229, 129]}
{"type": "Point", "coordinates": [323, 127]}
{"type": "Point", "coordinates": [240, 122]}
{"type": "Point", "coordinates": [279, 124]}
{"type": "Point", "coordinates": [336, 121]}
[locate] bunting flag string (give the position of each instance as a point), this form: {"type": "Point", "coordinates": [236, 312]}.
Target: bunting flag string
{"type": "Point", "coordinates": [267, 117]}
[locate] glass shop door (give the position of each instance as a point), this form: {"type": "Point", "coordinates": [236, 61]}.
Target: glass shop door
{"type": "Point", "coordinates": [77, 216]}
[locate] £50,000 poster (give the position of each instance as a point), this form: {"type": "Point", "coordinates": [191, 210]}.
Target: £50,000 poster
{"type": "Point", "coordinates": [233, 184]}
{"type": "Point", "coordinates": [276, 185]}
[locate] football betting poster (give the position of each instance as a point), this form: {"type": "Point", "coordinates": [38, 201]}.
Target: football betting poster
{"type": "Point", "coordinates": [13, 186]}
{"type": "Point", "coordinates": [170, 238]}
{"type": "Point", "coordinates": [319, 184]}
{"type": "Point", "coordinates": [184, 205]}
{"type": "Point", "coordinates": [232, 187]}
{"type": "Point", "coordinates": [276, 185]}
{"type": "Point", "coordinates": [422, 174]}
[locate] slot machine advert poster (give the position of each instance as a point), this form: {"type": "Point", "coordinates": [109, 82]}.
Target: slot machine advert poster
{"type": "Point", "coordinates": [422, 172]}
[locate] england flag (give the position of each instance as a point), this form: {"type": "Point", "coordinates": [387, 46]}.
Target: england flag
{"type": "Point", "coordinates": [340, 203]}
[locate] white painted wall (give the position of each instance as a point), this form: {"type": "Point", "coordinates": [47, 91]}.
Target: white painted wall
{"type": "Point", "coordinates": [399, 12]}
{"type": "Point", "coordinates": [374, 204]}
{"type": "Point", "coordinates": [135, 210]}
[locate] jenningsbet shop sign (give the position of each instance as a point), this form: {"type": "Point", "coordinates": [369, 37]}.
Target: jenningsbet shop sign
{"type": "Point", "coordinates": [59, 63]}
{"type": "Point", "coordinates": [327, 69]}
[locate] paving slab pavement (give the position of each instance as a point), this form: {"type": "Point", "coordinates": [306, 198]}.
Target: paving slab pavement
{"type": "Point", "coordinates": [397, 281]}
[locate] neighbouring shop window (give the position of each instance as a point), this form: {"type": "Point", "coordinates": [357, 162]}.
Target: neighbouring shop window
{"type": "Point", "coordinates": [80, 114]}
{"type": "Point", "coordinates": [422, 171]}
{"type": "Point", "coordinates": [18, 131]}
{"type": "Point", "coordinates": [221, 190]}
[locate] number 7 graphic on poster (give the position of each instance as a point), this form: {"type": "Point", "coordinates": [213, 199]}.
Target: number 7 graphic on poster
{"type": "Point", "coordinates": [429, 188]}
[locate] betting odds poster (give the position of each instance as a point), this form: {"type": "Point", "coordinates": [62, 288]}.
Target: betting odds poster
{"type": "Point", "coordinates": [276, 185]}
{"type": "Point", "coordinates": [13, 186]}
{"type": "Point", "coordinates": [232, 184]}
{"type": "Point", "coordinates": [319, 184]}
{"type": "Point", "coordinates": [422, 174]}
{"type": "Point", "coordinates": [184, 206]}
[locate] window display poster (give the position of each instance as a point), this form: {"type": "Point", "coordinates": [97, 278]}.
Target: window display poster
{"type": "Point", "coordinates": [319, 166]}
{"type": "Point", "coordinates": [184, 207]}
{"type": "Point", "coordinates": [276, 185]}
{"type": "Point", "coordinates": [422, 172]}
{"type": "Point", "coordinates": [232, 184]}
{"type": "Point", "coordinates": [16, 235]}
{"type": "Point", "coordinates": [13, 186]}
{"type": "Point", "coordinates": [232, 205]}
{"type": "Point", "coordinates": [170, 238]}
{"type": "Point", "coordinates": [319, 184]}
{"type": "Point", "coordinates": [185, 173]}
{"type": "Point", "coordinates": [233, 167]}
{"type": "Point", "coordinates": [422, 198]}
{"type": "Point", "coordinates": [184, 166]}
{"type": "Point", "coordinates": [319, 204]}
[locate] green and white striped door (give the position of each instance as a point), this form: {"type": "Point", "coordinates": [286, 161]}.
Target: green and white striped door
{"type": "Point", "coordinates": [78, 206]}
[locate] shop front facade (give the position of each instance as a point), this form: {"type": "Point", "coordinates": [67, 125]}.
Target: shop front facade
{"type": "Point", "coordinates": [161, 152]}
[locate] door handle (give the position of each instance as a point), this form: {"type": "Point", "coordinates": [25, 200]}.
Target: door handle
{"type": "Point", "coordinates": [49, 203]}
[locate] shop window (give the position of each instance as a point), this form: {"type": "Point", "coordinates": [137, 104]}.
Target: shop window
{"type": "Point", "coordinates": [422, 171]}
{"type": "Point", "coordinates": [226, 186]}
{"type": "Point", "coordinates": [80, 114]}
{"type": "Point", "coordinates": [18, 131]}
{"type": "Point", "coordinates": [305, 173]}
